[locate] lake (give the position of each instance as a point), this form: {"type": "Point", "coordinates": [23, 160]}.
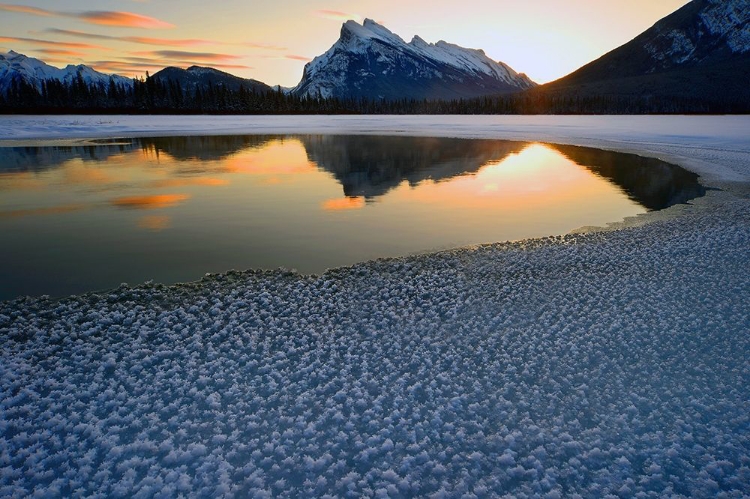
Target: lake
{"type": "Point", "coordinates": [79, 218]}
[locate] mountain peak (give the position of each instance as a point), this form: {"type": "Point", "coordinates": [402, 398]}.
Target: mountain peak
{"type": "Point", "coordinates": [371, 61]}
{"type": "Point", "coordinates": [368, 30]}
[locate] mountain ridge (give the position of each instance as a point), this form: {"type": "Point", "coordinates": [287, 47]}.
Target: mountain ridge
{"type": "Point", "coordinates": [689, 53]}
{"type": "Point", "coordinates": [201, 76]}
{"type": "Point", "coordinates": [15, 66]}
{"type": "Point", "coordinates": [368, 60]}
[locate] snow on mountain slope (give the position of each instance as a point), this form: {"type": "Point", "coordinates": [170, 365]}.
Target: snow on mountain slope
{"type": "Point", "coordinates": [369, 60]}
{"type": "Point", "coordinates": [709, 28]}
{"type": "Point", "coordinates": [730, 20]}
{"type": "Point", "coordinates": [15, 66]}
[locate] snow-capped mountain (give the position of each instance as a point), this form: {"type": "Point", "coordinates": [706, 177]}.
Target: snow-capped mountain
{"type": "Point", "coordinates": [198, 76]}
{"type": "Point", "coordinates": [700, 49]}
{"type": "Point", "coordinates": [15, 66]}
{"type": "Point", "coordinates": [370, 61]}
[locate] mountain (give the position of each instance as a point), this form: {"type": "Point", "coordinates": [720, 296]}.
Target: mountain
{"type": "Point", "coordinates": [15, 66]}
{"type": "Point", "coordinates": [195, 76]}
{"type": "Point", "coordinates": [370, 61]}
{"type": "Point", "coordinates": [701, 51]}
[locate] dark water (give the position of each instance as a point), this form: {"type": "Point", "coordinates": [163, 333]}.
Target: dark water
{"type": "Point", "coordinates": [171, 209]}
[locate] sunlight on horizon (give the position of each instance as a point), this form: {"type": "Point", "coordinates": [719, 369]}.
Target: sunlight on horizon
{"type": "Point", "coordinates": [272, 42]}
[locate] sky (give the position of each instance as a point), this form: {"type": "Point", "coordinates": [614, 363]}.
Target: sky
{"type": "Point", "coordinates": [272, 41]}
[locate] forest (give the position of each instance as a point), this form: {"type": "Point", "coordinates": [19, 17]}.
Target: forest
{"type": "Point", "coordinates": [156, 96]}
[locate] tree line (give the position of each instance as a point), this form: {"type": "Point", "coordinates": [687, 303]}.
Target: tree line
{"type": "Point", "coordinates": [159, 96]}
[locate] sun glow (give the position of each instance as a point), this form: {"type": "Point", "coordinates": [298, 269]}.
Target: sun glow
{"type": "Point", "coordinates": [271, 42]}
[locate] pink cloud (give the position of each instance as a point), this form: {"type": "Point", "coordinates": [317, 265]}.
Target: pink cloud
{"type": "Point", "coordinates": [122, 19]}
{"type": "Point", "coordinates": [99, 17]}
{"type": "Point", "coordinates": [297, 57]}
{"type": "Point", "coordinates": [49, 43]}
{"type": "Point", "coordinates": [166, 42]}
{"type": "Point", "coordinates": [337, 15]}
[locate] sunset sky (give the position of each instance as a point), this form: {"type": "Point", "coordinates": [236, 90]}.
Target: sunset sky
{"type": "Point", "coordinates": [272, 41]}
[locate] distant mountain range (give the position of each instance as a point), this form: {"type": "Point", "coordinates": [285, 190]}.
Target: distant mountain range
{"type": "Point", "coordinates": [15, 66]}
{"type": "Point", "coordinates": [701, 52]}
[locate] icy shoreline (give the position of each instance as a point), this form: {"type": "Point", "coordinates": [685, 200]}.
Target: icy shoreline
{"type": "Point", "coordinates": [715, 146]}
{"type": "Point", "coordinates": [601, 363]}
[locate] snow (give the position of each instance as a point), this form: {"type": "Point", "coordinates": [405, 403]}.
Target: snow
{"type": "Point", "coordinates": [35, 71]}
{"type": "Point", "coordinates": [607, 363]}
{"type": "Point", "coordinates": [358, 38]}
{"type": "Point", "coordinates": [729, 19]}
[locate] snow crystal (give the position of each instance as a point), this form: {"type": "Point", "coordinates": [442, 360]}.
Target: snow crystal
{"type": "Point", "coordinates": [610, 363]}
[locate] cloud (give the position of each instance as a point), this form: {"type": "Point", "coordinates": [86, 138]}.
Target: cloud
{"type": "Point", "coordinates": [166, 42]}
{"type": "Point", "coordinates": [24, 9]}
{"type": "Point", "coordinates": [98, 17]}
{"type": "Point", "coordinates": [50, 43]}
{"type": "Point", "coordinates": [187, 42]}
{"type": "Point", "coordinates": [194, 56]}
{"type": "Point", "coordinates": [61, 52]}
{"type": "Point", "coordinates": [122, 19]}
{"type": "Point", "coordinates": [138, 67]}
{"type": "Point", "coordinates": [297, 57]}
{"type": "Point", "coordinates": [254, 45]}
{"type": "Point", "coordinates": [337, 15]}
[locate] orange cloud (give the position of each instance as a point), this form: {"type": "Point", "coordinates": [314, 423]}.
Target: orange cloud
{"type": "Point", "coordinates": [99, 17]}
{"type": "Point", "coordinates": [341, 204]}
{"type": "Point", "coordinates": [122, 19]}
{"type": "Point", "coordinates": [150, 202]}
{"type": "Point", "coordinates": [155, 222]}
{"type": "Point", "coordinates": [49, 43]}
{"type": "Point", "coordinates": [167, 42]}
{"type": "Point", "coordinates": [196, 56]}
{"type": "Point", "coordinates": [140, 67]}
{"type": "Point", "coordinates": [61, 52]}
{"type": "Point", "coordinates": [337, 15]}
{"type": "Point", "coordinates": [186, 42]}
{"type": "Point", "coordinates": [23, 9]}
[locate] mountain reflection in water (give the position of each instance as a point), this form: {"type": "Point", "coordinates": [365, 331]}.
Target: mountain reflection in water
{"type": "Point", "coordinates": [89, 216]}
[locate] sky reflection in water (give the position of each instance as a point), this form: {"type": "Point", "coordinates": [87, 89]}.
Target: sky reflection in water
{"type": "Point", "coordinates": [171, 209]}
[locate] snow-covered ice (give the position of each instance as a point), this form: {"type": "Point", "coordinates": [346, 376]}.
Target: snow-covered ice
{"type": "Point", "coordinates": [603, 364]}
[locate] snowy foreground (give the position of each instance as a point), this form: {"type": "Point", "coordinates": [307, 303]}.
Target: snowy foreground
{"type": "Point", "coordinates": [606, 363]}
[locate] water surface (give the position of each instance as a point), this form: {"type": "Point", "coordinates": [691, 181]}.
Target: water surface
{"type": "Point", "coordinates": [171, 209]}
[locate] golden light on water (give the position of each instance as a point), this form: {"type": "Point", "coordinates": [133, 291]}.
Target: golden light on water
{"type": "Point", "coordinates": [150, 202]}
{"type": "Point", "coordinates": [342, 204]}
{"type": "Point", "coordinates": [187, 205]}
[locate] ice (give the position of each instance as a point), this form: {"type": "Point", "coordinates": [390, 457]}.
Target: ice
{"type": "Point", "coordinates": [713, 146]}
{"type": "Point", "coordinates": [607, 363]}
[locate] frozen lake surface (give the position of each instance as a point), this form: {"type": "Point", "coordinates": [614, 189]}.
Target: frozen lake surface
{"type": "Point", "coordinates": [605, 363]}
